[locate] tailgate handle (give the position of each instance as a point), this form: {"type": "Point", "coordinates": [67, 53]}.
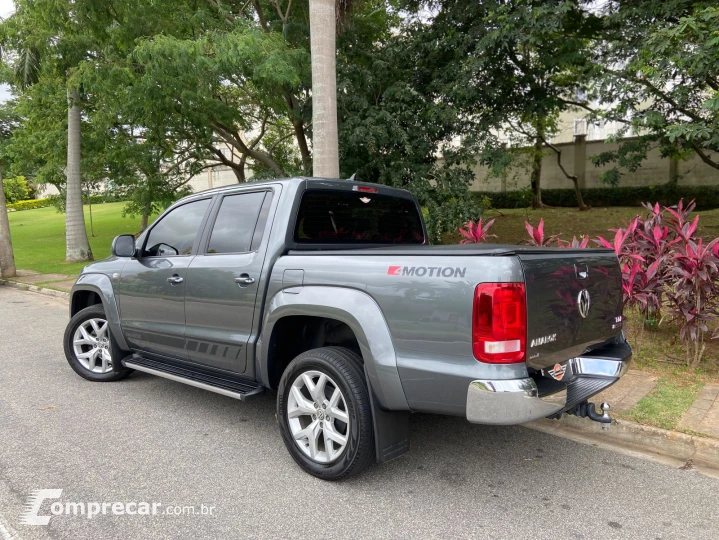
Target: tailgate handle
{"type": "Point", "coordinates": [581, 270]}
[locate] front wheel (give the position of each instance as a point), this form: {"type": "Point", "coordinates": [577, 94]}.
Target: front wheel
{"type": "Point", "coordinates": [90, 348]}
{"type": "Point", "coordinates": [324, 413]}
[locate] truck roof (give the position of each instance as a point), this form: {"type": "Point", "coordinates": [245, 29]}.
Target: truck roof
{"type": "Point", "coordinates": [295, 181]}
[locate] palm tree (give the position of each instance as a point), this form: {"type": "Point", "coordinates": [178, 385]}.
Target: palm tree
{"type": "Point", "coordinates": [27, 73]}
{"type": "Point", "coordinates": [8, 122]}
{"type": "Point", "coordinates": [77, 246]}
{"type": "Point", "coordinates": [7, 258]}
{"type": "Point", "coordinates": [325, 142]}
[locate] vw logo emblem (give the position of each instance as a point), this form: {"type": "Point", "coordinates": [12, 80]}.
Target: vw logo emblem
{"type": "Point", "coordinates": [583, 303]}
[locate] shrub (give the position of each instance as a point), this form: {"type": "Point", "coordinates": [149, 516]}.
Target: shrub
{"type": "Point", "coordinates": [15, 189]}
{"type": "Point", "coordinates": [30, 204]}
{"type": "Point", "coordinates": [58, 201]}
{"type": "Point", "coordinates": [693, 292]}
{"type": "Point", "coordinates": [450, 215]}
{"type": "Point", "coordinates": [665, 266]}
{"type": "Point", "coordinates": [707, 197]}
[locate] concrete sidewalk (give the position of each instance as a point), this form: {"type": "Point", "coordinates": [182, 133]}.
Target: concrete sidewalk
{"type": "Point", "coordinates": [703, 415]}
{"type": "Point", "coordinates": [58, 282]}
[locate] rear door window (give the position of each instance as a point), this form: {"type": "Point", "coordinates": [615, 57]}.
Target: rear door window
{"type": "Point", "coordinates": [349, 217]}
{"type": "Point", "coordinates": [236, 222]}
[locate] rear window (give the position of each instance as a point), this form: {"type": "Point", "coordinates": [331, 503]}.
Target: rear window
{"type": "Point", "coordinates": [348, 217]}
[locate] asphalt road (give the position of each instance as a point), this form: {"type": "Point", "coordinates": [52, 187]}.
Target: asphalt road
{"type": "Point", "coordinates": [147, 439]}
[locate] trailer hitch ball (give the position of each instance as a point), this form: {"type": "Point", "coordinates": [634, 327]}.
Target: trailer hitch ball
{"type": "Point", "coordinates": [589, 410]}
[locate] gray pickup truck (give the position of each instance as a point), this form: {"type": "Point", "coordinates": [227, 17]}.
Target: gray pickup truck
{"type": "Point", "coordinates": [328, 293]}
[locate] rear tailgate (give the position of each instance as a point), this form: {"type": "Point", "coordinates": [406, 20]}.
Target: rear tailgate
{"type": "Point", "coordinates": [574, 300]}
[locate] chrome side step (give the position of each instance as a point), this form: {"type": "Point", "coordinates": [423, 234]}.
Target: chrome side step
{"type": "Point", "coordinates": [227, 386]}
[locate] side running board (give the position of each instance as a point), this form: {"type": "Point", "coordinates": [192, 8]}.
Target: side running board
{"type": "Point", "coordinates": [233, 387]}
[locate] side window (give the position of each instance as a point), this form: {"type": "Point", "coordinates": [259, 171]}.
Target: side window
{"type": "Point", "coordinates": [175, 234]}
{"type": "Point", "coordinates": [235, 223]}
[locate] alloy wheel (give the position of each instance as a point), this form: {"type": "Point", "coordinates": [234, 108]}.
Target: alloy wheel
{"type": "Point", "coordinates": [318, 416]}
{"type": "Point", "coordinates": [91, 345]}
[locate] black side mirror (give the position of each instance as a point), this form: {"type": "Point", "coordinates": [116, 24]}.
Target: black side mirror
{"type": "Point", "coordinates": [123, 246]}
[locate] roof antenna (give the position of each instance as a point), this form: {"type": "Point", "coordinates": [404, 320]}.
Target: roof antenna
{"type": "Point", "coordinates": [352, 178]}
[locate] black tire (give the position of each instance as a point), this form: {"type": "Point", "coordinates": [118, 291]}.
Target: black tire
{"type": "Point", "coordinates": [344, 367]}
{"type": "Point", "coordinates": [117, 354]}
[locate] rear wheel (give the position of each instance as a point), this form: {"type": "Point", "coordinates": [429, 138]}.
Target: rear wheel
{"type": "Point", "coordinates": [324, 413]}
{"type": "Point", "coordinates": [90, 348]}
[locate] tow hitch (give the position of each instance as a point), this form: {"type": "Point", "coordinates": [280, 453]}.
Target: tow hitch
{"type": "Point", "coordinates": [588, 410]}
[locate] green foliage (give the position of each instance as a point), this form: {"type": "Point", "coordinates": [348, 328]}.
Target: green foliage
{"type": "Point", "coordinates": [16, 189]}
{"type": "Point", "coordinates": [507, 67]}
{"type": "Point", "coordinates": [392, 126]}
{"type": "Point", "coordinates": [707, 197]}
{"type": "Point", "coordinates": [451, 215]}
{"type": "Point", "coordinates": [657, 73]}
{"type": "Point", "coordinates": [31, 204]}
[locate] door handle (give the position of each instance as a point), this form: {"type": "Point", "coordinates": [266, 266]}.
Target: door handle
{"type": "Point", "coordinates": [175, 280]}
{"type": "Point", "coordinates": [244, 279]}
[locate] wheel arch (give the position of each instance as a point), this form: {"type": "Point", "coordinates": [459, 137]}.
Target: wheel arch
{"type": "Point", "coordinates": [346, 308]}
{"type": "Point", "coordinates": [93, 289]}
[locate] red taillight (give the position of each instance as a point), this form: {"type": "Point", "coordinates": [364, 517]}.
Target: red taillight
{"type": "Point", "coordinates": [364, 189]}
{"type": "Point", "coordinates": [499, 325]}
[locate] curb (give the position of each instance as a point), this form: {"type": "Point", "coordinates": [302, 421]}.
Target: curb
{"type": "Point", "coordinates": [691, 449]}
{"type": "Point", "coordinates": [35, 289]}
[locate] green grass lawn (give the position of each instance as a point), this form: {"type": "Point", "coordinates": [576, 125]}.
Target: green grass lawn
{"type": "Point", "coordinates": [666, 403]}
{"type": "Point", "coordinates": [38, 236]}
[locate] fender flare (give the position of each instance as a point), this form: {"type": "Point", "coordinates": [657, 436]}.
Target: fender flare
{"type": "Point", "coordinates": [101, 284]}
{"type": "Point", "coordinates": [360, 312]}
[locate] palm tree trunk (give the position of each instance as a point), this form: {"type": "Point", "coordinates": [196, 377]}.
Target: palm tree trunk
{"type": "Point", "coordinates": [77, 247]}
{"type": "Point", "coordinates": [325, 144]}
{"type": "Point", "coordinates": [7, 258]}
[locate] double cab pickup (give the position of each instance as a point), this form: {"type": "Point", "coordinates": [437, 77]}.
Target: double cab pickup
{"type": "Point", "coordinates": [327, 293]}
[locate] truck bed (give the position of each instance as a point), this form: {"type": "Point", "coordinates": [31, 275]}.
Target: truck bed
{"type": "Point", "coordinates": [455, 250]}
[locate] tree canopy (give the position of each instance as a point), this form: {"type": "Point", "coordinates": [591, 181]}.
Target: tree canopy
{"type": "Point", "coordinates": [425, 89]}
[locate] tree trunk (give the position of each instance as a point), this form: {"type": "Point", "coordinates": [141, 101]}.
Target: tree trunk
{"type": "Point", "coordinates": [580, 199]}
{"type": "Point", "coordinates": [145, 219]}
{"type": "Point", "coordinates": [7, 258]}
{"type": "Point", "coordinates": [325, 144]}
{"type": "Point", "coordinates": [537, 172]}
{"type": "Point", "coordinates": [300, 135]}
{"type": "Point", "coordinates": [77, 247]}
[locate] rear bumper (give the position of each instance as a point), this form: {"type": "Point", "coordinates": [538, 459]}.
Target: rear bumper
{"type": "Point", "coordinates": [516, 401]}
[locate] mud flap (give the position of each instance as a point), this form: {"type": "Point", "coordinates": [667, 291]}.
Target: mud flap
{"type": "Point", "coordinates": [391, 429]}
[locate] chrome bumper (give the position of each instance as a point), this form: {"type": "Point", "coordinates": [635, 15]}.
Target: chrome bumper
{"type": "Point", "coordinates": [516, 401]}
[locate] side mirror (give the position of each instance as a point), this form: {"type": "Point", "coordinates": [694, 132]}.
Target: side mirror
{"type": "Point", "coordinates": [123, 246]}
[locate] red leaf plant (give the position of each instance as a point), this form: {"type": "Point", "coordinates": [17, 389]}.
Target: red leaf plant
{"type": "Point", "coordinates": [574, 244]}
{"type": "Point", "coordinates": [476, 233]}
{"type": "Point", "coordinates": [665, 266]}
{"type": "Point", "coordinates": [693, 293]}
{"type": "Point", "coordinates": [536, 235]}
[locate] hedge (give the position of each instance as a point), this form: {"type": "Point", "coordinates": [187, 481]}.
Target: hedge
{"type": "Point", "coordinates": [707, 197]}
{"type": "Point", "coordinates": [30, 204]}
